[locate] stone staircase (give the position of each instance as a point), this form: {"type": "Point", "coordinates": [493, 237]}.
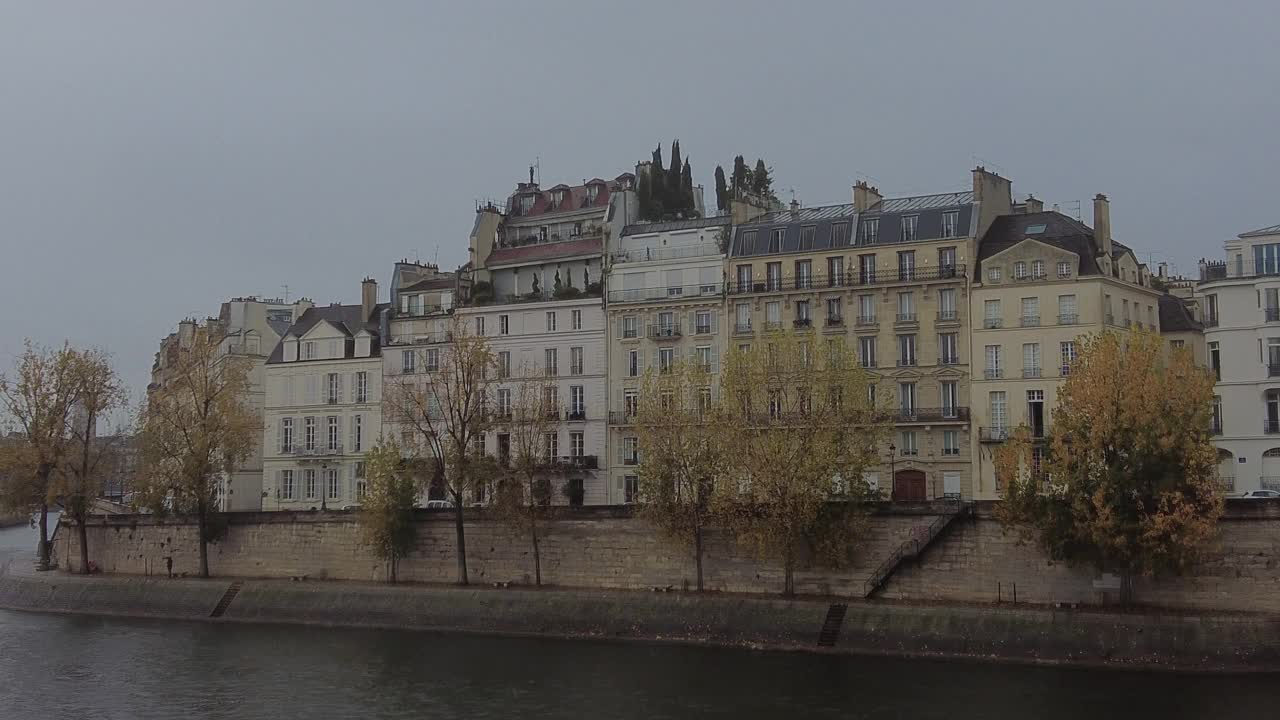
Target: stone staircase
{"type": "Point", "coordinates": [921, 538]}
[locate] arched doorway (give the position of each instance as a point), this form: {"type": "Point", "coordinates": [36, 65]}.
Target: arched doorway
{"type": "Point", "coordinates": [1270, 478]}
{"type": "Point", "coordinates": [910, 486]}
{"type": "Point", "coordinates": [1226, 470]}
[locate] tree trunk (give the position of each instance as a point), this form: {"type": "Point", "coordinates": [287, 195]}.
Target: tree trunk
{"type": "Point", "coordinates": [697, 553]}
{"type": "Point", "coordinates": [462, 540]}
{"type": "Point", "coordinates": [84, 542]}
{"type": "Point", "coordinates": [203, 523]}
{"type": "Point", "coordinates": [392, 570]}
{"type": "Point", "coordinates": [788, 580]}
{"type": "Point", "coordinates": [537, 557]}
{"type": "Point", "coordinates": [44, 537]}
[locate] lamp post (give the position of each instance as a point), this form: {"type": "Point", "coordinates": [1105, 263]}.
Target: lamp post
{"type": "Point", "coordinates": [324, 489]}
{"type": "Point", "coordinates": [893, 480]}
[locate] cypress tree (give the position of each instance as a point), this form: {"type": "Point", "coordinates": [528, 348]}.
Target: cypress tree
{"type": "Point", "coordinates": [722, 191]}
{"type": "Point", "coordinates": [657, 186]}
{"type": "Point", "coordinates": [644, 195]}
{"type": "Point", "coordinates": [761, 183]}
{"type": "Point", "coordinates": [675, 190]}
{"type": "Point", "coordinates": [741, 176]}
{"type": "Point", "coordinates": [686, 188]}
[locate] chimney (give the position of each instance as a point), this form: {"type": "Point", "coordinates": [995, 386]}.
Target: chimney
{"type": "Point", "coordinates": [865, 197]}
{"type": "Point", "coordinates": [795, 205]}
{"type": "Point", "coordinates": [368, 298]}
{"type": "Point", "coordinates": [1034, 205]}
{"type": "Point", "coordinates": [1102, 224]}
{"type": "Point", "coordinates": [994, 195]}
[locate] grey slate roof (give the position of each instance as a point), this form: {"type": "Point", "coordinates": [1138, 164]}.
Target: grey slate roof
{"type": "Point", "coordinates": [345, 317]}
{"type": "Point", "coordinates": [1272, 230]}
{"type": "Point", "coordinates": [676, 225]}
{"type": "Point", "coordinates": [927, 208]}
{"type": "Point", "coordinates": [1175, 316]}
{"type": "Point", "coordinates": [1059, 231]}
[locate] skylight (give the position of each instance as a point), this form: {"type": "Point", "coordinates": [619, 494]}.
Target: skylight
{"type": "Point", "coordinates": [1035, 229]}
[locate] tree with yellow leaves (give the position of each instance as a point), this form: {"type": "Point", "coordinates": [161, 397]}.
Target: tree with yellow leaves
{"type": "Point", "coordinates": [196, 425]}
{"type": "Point", "coordinates": [1127, 481]}
{"type": "Point", "coordinates": [798, 431]}
{"type": "Point", "coordinates": [386, 510]}
{"type": "Point", "coordinates": [523, 495]}
{"type": "Point", "coordinates": [680, 434]}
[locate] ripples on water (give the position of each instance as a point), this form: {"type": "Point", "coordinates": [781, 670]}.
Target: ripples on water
{"type": "Point", "coordinates": [79, 667]}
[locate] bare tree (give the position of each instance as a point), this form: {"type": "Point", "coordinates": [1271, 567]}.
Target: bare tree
{"type": "Point", "coordinates": [39, 398]}
{"type": "Point", "coordinates": [442, 412]}
{"type": "Point", "coordinates": [196, 425]}
{"type": "Point", "coordinates": [525, 413]}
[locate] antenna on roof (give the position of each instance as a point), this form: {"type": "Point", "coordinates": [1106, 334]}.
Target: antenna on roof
{"type": "Point", "coordinates": [1073, 209]}
{"type": "Point", "coordinates": [988, 164]}
{"type": "Point", "coordinates": [537, 164]}
{"type": "Point", "coordinates": [286, 292]}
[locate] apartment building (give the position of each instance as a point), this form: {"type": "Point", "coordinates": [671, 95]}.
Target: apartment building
{"type": "Point", "coordinates": [1240, 301]}
{"type": "Point", "coordinates": [534, 288]}
{"type": "Point", "coordinates": [665, 304]}
{"type": "Point", "coordinates": [248, 328]}
{"type": "Point", "coordinates": [888, 278]}
{"type": "Point", "coordinates": [323, 405]}
{"type": "Point", "coordinates": [1044, 281]}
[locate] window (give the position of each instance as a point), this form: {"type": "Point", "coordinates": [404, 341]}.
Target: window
{"type": "Point", "coordinates": [867, 351]}
{"type": "Point", "coordinates": [1037, 269]}
{"type": "Point", "coordinates": [1020, 270]}
{"type": "Point", "coordinates": [906, 307]}
{"type": "Point", "coordinates": [431, 360]}
{"type": "Point", "coordinates": [357, 433]}
{"type": "Point", "coordinates": [909, 223]}
{"type": "Point", "coordinates": [334, 388]}
{"type": "Point", "coordinates": [577, 401]}
{"type": "Point", "coordinates": [551, 445]}
{"type": "Point", "coordinates": [950, 442]}
{"type": "Point", "coordinates": [1215, 361]}
{"type": "Point", "coordinates": [871, 394]}
{"type": "Point", "coordinates": [633, 363]}
{"type": "Point", "coordinates": [1266, 259]}
{"type": "Point", "coordinates": [907, 265]}
{"type": "Point", "coordinates": [950, 394]}
{"type": "Point", "coordinates": [504, 364]}
{"type": "Point", "coordinates": [334, 351]}
{"type": "Point", "coordinates": [866, 269]}
{"type": "Point", "coordinates": [908, 446]}
{"type": "Point", "coordinates": [629, 326]}
{"type": "Point", "coordinates": [666, 358]}
{"type": "Point", "coordinates": [802, 313]}
{"type": "Point", "coordinates": [630, 451]}
{"type": "Point", "coordinates": [835, 271]}
{"type": "Point", "coordinates": [1031, 360]}
{"type": "Point", "coordinates": [772, 315]}
{"type": "Point", "coordinates": [993, 369]}
{"type": "Point", "coordinates": [286, 484]}
{"type": "Point", "coordinates": [1216, 427]}
{"type": "Point", "coordinates": [1067, 310]}
{"type": "Point", "coordinates": [334, 488]}
{"type": "Point", "coordinates": [362, 387]}
{"type": "Point", "coordinates": [948, 349]}
{"type": "Point", "coordinates": [702, 322]}
{"type": "Point", "coordinates": [576, 318]}
{"type": "Point", "coordinates": [906, 350]}
{"type": "Point", "coordinates": [804, 274]}
{"type": "Point", "coordinates": [744, 278]}
{"type": "Point", "coordinates": [504, 402]}
{"type": "Point", "coordinates": [1064, 269]}
{"type": "Point", "coordinates": [950, 223]}
{"type": "Point", "coordinates": [551, 321]}
{"type": "Point", "coordinates": [504, 325]}
{"type": "Point", "coordinates": [309, 433]}
{"type": "Point", "coordinates": [1068, 354]}
{"type": "Point", "coordinates": [630, 402]}
{"type": "Point", "coordinates": [704, 400]}
{"type": "Point", "coordinates": [839, 234]}
{"type": "Point", "coordinates": [749, 242]}
{"type": "Point", "coordinates": [1124, 311]}
{"type": "Point", "coordinates": [309, 350]}
{"type": "Point", "coordinates": [407, 358]}
{"type": "Point", "coordinates": [999, 411]}
{"type": "Point", "coordinates": [947, 305]}
{"type": "Point", "coordinates": [991, 314]}
{"type": "Point", "coordinates": [1177, 344]}
{"type": "Point", "coordinates": [907, 398]}
{"type": "Point", "coordinates": [335, 439]}
{"type": "Point", "coordinates": [773, 276]}
{"type": "Point", "coordinates": [1211, 310]}
{"type": "Point", "coordinates": [806, 237]}
{"type": "Point", "coordinates": [993, 274]}
{"type": "Point", "coordinates": [870, 231]}
{"type": "Point", "coordinates": [575, 444]}
{"type": "Point", "coordinates": [630, 489]}
{"type": "Point", "coordinates": [286, 435]}
{"type": "Point", "coordinates": [480, 325]}
{"type": "Point", "coordinates": [742, 317]}
{"type": "Point", "coordinates": [775, 239]}
{"type": "Point", "coordinates": [549, 366]}
{"type": "Point", "coordinates": [666, 324]}
{"type": "Point", "coordinates": [866, 309]}
{"type": "Point", "coordinates": [576, 365]}
{"type": "Point", "coordinates": [1030, 312]}
{"type": "Point", "coordinates": [309, 484]}
{"type": "Point", "coordinates": [702, 355]}
{"type": "Point", "coordinates": [833, 311]}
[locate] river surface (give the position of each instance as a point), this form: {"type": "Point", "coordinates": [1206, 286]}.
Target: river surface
{"type": "Point", "coordinates": [54, 666]}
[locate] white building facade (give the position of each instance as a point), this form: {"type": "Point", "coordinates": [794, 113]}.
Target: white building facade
{"type": "Point", "coordinates": [1240, 302]}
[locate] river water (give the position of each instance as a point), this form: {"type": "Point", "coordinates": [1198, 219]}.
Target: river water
{"type": "Point", "coordinates": [54, 666]}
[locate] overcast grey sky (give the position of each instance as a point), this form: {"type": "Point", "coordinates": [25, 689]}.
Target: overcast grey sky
{"type": "Point", "coordinates": [157, 158]}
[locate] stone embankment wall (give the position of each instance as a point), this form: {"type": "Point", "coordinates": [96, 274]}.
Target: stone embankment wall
{"type": "Point", "coordinates": [607, 548]}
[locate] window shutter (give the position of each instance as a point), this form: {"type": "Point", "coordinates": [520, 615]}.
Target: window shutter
{"type": "Point", "coordinates": [341, 377]}
{"type": "Point", "coordinates": [621, 452]}
{"type": "Point", "coordinates": [715, 322]}
{"type": "Point", "coordinates": [279, 479]}
{"type": "Point", "coordinates": [715, 361]}
{"type": "Point", "coordinates": [280, 434]}
{"type": "Point", "coordinates": [351, 435]}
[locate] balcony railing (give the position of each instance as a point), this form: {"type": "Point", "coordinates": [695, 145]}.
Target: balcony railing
{"type": "Point", "coordinates": [576, 415]}
{"type": "Point", "coordinates": [1211, 321]}
{"type": "Point", "coordinates": [836, 321]}
{"type": "Point", "coordinates": [621, 417]}
{"type": "Point", "coordinates": [1269, 482]}
{"type": "Point", "coordinates": [661, 331]}
{"type": "Point", "coordinates": [1271, 426]}
{"type": "Point", "coordinates": [1030, 372]}
{"type": "Point", "coordinates": [666, 253]}
{"type": "Point", "coordinates": [663, 293]}
{"type": "Point", "coordinates": [866, 320]}
{"type": "Point", "coordinates": [1068, 319]}
{"type": "Point", "coordinates": [907, 318]}
{"type": "Point", "coordinates": [317, 451]}
{"type": "Point", "coordinates": [906, 362]}
{"type": "Point", "coordinates": [772, 324]}
{"type": "Point", "coordinates": [1215, 427]}
{"type": "Point", "coordinates": [993, 434]}
{"type": "Point", "coordinates": [924, 415]}
{"type": "Point", "coordinates": [993, 323]}
{"type": "Point", "coordinates": [1273, 370]}
{"type": "Point", "coordinates": [800, 323]}
{"type": "Point", "coordinates": [742, 327]}
{"type": "Point", "coordinates": [1227, 483]}
{"type": "Point", "coordinates": [1030, 321]}
{"type": "Point", "coordinates": [851, 278]}
{"type": "Point", "coordinates": [949, 360]}
{"type": "Point", "coordinates": [993, 373]}
{"type": "Point", "coordinates": [948, 316]}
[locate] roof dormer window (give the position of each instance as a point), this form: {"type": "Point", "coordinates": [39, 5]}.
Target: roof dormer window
{"type": "Point", "coordinates": [557, 199]}
{"type": "Point", "coordinates": [593, 192]}
{"type": "Point", "coordinates": [526, 204]}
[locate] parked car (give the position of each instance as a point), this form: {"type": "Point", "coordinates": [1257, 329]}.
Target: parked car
{"type": "Point", "coordinates": [439, 504]}
{"type": "Point", "coordinates": [1261, 494]}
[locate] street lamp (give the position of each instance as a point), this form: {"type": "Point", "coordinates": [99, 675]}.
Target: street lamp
{"type": "Point", "coordinates": [324, 490]}
{"type": "Point", "coordinates": [893, 479]}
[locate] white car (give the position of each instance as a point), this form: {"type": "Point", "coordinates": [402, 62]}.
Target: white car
{"type": "Point", "coordinates": [1261, 494]}
{"type": "Point", "coordinates": [439, 504]}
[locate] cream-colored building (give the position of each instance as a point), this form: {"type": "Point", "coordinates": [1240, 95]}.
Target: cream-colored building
{"type": "Point", "coordinates": [665, 305]}
{"type": "Point", "coordinates": [323, 405]}
{"type": "Point", "coordinates": [1044, 281]}
{"type": "Point", "coordinates": [889, 279]}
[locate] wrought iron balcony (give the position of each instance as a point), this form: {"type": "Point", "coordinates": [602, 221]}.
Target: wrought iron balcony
{"type": "Point", "coordinates": [993, 434]}
{"type": "Point", "coordinates": [1269, 482]}
{"type": "Point", "coordinates": [1068, 319]}
{"type": "Point", "coordinates": [1272, 314]}
{"type": "Point", "coordinates": [1273, 370]}
{"type": "Point", "coordinates": [835, 321]}
{"type": "Point", "coordinates": [802, 323]}
{"type": "Point", "coordinates": [1227, 483]}
{"type": "Point", "coordinates": [993, 323]}
{"type": "Point", "coordinates": [949, 360]}
{"type": "Point", "coordinates": [907, 318]}
{"type": "Point", "coordinates": [851, 278]}
{"type": "Point", "coordinates": [1030, 372]}
{"type": "Point", "coordinates": [930, 415]}
{"type": "Point", "coordinates": [1271, 426]}
{"type": "Point", "coordinates": [993, 373]}
{"type": "Point", "coordinates": [663, 331]}
{"type": "Point", "coordinates": [622, 417]}
{"type": "Point", "coordinates": [948, 316]}
{"type": "Point", "coordinates": [866, 320]}
{"type": "Point", "coordinates": [1030, 321]}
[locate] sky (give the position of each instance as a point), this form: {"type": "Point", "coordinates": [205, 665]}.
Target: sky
{"type": "Point", "coordinates": [157, 158]}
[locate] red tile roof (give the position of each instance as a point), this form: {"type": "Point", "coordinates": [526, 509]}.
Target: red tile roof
{"type": "Point", "coordinates": [545, 251]}
{"type": "Point", "coordinates": [575, 199]}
